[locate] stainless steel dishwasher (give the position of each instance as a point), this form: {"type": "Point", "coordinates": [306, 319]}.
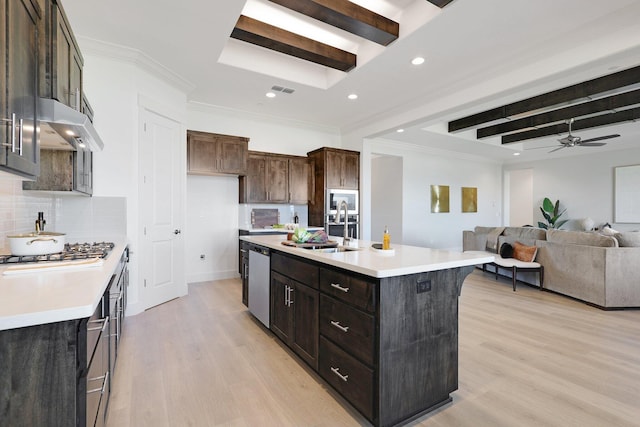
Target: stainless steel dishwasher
{"type": "Point", "coordinates": [259, 269]}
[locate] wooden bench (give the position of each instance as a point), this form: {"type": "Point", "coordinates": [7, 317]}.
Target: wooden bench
{"type": "Point", "coordinates": [514, 265]}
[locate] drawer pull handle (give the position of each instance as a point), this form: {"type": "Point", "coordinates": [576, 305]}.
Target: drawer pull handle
{"type": "Point", "coordinates": [336, 371]}
{"type": "Point", "coordinates": [105, 379]}
{"type": "Point", "coordinates": [340, 288]}
{"type": "Point", "coordinates": [339, 326]}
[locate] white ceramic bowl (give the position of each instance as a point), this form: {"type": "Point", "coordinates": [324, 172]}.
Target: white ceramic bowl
{"type": "Point", "coordinates": [42, 243]}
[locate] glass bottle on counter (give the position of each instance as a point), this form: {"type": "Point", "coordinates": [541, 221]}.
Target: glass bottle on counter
{"type": "Point", "coordinates": [386, 239]}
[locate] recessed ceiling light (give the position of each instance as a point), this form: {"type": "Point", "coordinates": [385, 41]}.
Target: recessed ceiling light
{"type": "Point", "coordinates": [69, 132]}
{"type": "Point", "coordinates": [270, 95]}
{"type": "Point", "coordinates": [418, 60]}
{"type": "Point", "coordinates": [516, 153]}
{"type": "Point", "coordinates": [400, 130]}
{"type": "Point", "coordinates": [352, 96]}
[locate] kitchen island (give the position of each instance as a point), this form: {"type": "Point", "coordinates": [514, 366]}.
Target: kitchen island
{"type": "Point", "coordinates": [380, 327]}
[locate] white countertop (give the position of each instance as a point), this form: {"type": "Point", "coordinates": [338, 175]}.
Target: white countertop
{"type": "Point", "coordinates": [276, 230]}
{"type": "Point", "coordinates": [404, 259]}
{"type": "Point", "coordinates": [54, 296]}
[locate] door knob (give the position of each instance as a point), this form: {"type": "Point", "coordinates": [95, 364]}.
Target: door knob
{"type": "Point", "coordinates": [176, 231]}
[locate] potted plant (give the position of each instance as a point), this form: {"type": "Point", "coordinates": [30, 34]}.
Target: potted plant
{"type": "Point", "coordinates": [551, 213]}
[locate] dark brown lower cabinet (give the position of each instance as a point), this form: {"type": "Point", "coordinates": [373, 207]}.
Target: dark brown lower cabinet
{"type": "Point", "coordinates": [59, 374]}
{"type": "Point", "coordinates": [389, 345]}
{"type": "Point", "coordinates": [294, 316]}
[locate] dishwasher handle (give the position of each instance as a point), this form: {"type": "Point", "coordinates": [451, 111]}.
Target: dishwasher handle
{"type": "Point", "coordinates": [260, 250]}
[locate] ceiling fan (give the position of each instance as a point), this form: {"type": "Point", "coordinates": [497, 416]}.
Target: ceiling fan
{"type": "Point", "coordinates": [572, 140]}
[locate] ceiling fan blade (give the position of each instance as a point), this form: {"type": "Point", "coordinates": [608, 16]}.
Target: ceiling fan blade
{"type": "Point", "coordinates": [599, 138]}
{"type": "Point", "coordinates": [592, 144]}
{"type": "Point", "coordinates": [559, 148]}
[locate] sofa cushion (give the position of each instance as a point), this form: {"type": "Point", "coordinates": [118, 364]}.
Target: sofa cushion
{"type": "Point", "coordinates": [524, 253]}
{"type": "Point", "coordinates": [506, 250]}
{"type": "Point", "coordinates": [492, 239]}
{"type": "Point", "coordinates": [525, 235]}
{"type": "Point", "coordinates": [628, 239]}
{"type": "Point", "coordinates": [581, 238]}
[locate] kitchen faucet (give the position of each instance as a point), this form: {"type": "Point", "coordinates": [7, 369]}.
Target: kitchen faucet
{"type": "Point", "coordinates": [343, 203]}
{"type": "Point", "coordinates": [40, 222]}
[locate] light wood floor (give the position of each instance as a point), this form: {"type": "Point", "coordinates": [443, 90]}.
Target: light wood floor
{"type": "Point", "coordinates": [527, 358]}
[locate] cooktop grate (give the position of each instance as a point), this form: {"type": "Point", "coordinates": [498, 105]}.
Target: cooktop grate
{"type": "Point", "coordinates": [71, 251]}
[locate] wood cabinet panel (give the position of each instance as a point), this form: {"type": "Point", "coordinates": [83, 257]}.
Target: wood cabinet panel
{"type": "Point", "coordinates": [275, 178]}
{"type": "Point", "coordinates": [216, 154]}
{"type": "Point", "coordinates": [19, 153]}
{"type": "Point", "coordinates": [348, 288]}
{"type": "Point", "coordinates": [351, 329]}
{"type": "Point", "coordinates": [296, 269]}
{"type": "Point", "coordinates": [299, 177]}
{"type": "Point", "coordinates": [352, 379]}
{"type": "Point", "coordinates": [294, 307]}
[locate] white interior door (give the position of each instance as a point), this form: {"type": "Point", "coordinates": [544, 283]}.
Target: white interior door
{"type": "Point", "coordinates": [162, 150]}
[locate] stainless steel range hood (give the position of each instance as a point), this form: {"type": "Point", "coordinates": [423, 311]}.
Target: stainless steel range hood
{"type": "Point", "coordinates": [72, 125]}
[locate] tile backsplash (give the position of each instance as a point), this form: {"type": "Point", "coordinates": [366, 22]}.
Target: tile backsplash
{"type": "Point", "coordinates": [80, 218]}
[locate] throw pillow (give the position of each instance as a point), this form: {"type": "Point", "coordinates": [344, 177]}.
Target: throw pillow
{"type": "Point", "coordinates": [506, 250]}
{"type": "Point", "coordinates": [524, 253]}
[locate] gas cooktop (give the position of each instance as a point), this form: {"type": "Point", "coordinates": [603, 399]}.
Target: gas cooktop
{"type": "Point", "coordinates": [71, 251]}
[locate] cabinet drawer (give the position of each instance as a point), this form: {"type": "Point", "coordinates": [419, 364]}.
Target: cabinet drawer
{"type": "Point", "coordinates": [348, 376]}
{"type": "Point", "coordinates": [352, 329]}
{"type": "Point", "coordinates": [348, 289]}
{"type": "Point", "coordinates": [298, 270]}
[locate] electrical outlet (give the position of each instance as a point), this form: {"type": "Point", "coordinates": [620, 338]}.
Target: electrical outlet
{"type": "Point", "coordinates": [424, 286]}
{"type": "Point", "coordinates": [202, 256]}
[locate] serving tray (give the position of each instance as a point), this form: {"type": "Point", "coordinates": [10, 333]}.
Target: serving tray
{"type": "Point", "coordinates": [328, 244]}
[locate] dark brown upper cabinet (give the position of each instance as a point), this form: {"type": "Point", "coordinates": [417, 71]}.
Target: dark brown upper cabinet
{"type": "Point", "coordinates": [342, 169]}
{"type": "Point", "coordinates": [216, 154]}
{"type": "Point", "coordinates": [61, 62]}
{"type": "Point", "coordinates": [19, 152]}
{"type": "Point", "coordinates": [275, 178]}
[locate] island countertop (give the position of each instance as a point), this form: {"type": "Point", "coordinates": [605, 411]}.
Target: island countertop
{"type": "Point", "coordinates": [53, 296]}
{"type": "Point", "coordinates": [401, 261]}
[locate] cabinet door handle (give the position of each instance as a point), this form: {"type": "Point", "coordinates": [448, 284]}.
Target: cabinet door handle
{"type": "Point", "coordinates": [12, 122]}
{"type": "Point", "coordinates": [20, 138]}
{"type": "Point", "coordinates": [104, 322]}
{"type": "Point", "coordinates": [340, 288]}
{"type": "Point", "coordinates": [104, 377]}
{"type": "Point", "coordinates": [286, 296]}
{"type": "Point", "coordinates": [339, 326]}
{"type": "Point", "coordinates": [290, 296]}
{"type": "Point", "coordinates": [336, 371]}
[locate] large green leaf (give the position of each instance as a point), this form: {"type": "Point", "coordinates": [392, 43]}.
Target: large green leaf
{"type": "Point", "coordinates": [547, 205]}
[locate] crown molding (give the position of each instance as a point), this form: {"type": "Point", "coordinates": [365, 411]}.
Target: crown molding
{"type": "Point", "coordinates": [136, 57]}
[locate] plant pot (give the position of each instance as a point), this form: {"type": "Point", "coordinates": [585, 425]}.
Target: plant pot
{"type": "Point", "coordinates": [42, 243]}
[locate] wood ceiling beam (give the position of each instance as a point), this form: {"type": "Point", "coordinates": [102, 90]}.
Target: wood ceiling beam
{"type": "Point", "coordinates": [440, 3]}
{"type": "Point", "coordinates": [550, 99]}
{"type": "Point", "coordinates": [609, 103]}
{"type": "Point", "coordinates": [631, 114]}
{"type": "Point", "coordinates": [259, 33]}
{"type": "Point", "coordinates": [347, 16]}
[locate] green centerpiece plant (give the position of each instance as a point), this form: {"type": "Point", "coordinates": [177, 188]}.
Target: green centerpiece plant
{"type": "Point", "coordinates": [551, 213]}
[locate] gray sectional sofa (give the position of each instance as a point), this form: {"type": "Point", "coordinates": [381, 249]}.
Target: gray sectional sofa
{"type": "Point", "coordinates": [601, 270]}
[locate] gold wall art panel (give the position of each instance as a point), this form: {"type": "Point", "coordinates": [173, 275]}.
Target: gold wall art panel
{"type": "Point", "coordinates": [469, 199]}
{"type": "Point", "coordinates": [440, 198]}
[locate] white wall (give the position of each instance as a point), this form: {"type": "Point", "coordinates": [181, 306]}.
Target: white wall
{"type": "Point", "coordinates": [213, 210]}
{"type": "Point", "coordinates": [422, 168]}
{"type": "Point", "coordinates": [386, 197]}
{"type": "Point", "coordinates": [118, 83]}
{"type": "Point", "coordinates": [583, 184]}
{"type": "Point", "coordinates": [519, 206]}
